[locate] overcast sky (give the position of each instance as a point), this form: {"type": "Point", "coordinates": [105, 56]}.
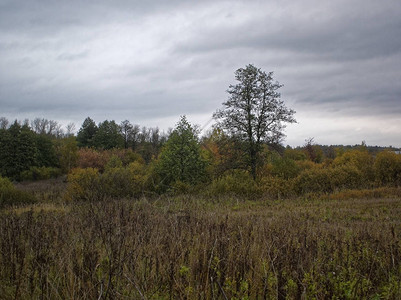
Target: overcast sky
{"type": "Point", "coordinates": [152, 61]}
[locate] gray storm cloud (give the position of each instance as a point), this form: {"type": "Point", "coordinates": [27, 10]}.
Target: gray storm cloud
{"type": "Point", "coordinates": [152, 61]}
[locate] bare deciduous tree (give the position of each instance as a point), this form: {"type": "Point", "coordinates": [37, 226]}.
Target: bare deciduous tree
{"type": "Point", "coordinates": [3, 123]}
{"type": "Point", "coordinates": [70, 129]}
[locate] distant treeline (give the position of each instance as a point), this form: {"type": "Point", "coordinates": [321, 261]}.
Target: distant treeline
{"type": "Point", "coordinates": [27, 148]}
{"type": "Point", "coordinates": [330, 150]}
{"type": "Point", "coordinates": [125, 160]}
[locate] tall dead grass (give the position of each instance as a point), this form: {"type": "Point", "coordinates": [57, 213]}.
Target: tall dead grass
{"type": "Point", "coordinates": [188, 248]}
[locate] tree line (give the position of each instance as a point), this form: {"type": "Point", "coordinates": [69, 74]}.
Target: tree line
{"type": "Point", "coordinates": [43, 143]}
{"type": "Point", "coordinates": [242, 154]}
{"type": "Point", "coordinates": [150, 161]}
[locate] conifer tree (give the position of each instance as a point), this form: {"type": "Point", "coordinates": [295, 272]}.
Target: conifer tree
{"type": "Point", "coordinates": [180, 159]}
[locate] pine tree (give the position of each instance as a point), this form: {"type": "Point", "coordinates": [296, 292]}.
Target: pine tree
{"type": "Point", "coordinates": [86, 133]}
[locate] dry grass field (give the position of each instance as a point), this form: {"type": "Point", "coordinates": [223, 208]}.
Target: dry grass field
{"type": "Point", "coordinates": [189, 247]}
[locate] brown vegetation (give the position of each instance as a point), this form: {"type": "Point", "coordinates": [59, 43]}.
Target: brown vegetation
{"type": "Point", "coordinates": [189, 248]}
{"type": "Point", "coordinates": [184, 219]}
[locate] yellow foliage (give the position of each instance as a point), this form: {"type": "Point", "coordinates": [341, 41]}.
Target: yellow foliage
{"type": "Point", "coordinates": [9, 195]}
{"type": "Point", "coordinates": [362, 160]}
{"type": "Point", "coordinates": [139, 176]}
{"type": "Point", "coordinates": [295, 154]}
{"type": "Point", "coordinates": [116, 182]}
{"type": "Point", "coordinates": [276, 187]}
{"type": "Point", "coordinates": [5, 184]}
{"type": "Point", "coordinates": [307, 164]}
{"type": "Point", "coordinates": [236, 182]}
{"type": "Point", "coordinates": [387, 168]}
{"type": "Point", "coordinates": [84, 184]}
{"type": "Point", "coordinates": [382, 192]}
{"type": "Point", "coordinates": [327, 180]}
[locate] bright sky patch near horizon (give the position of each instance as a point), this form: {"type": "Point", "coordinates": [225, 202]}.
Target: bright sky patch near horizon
{"type": "Point", "coordinates": [152, 61]}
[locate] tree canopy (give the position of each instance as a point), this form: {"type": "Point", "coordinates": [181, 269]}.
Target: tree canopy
{"type": "Point", "coordinates": [180, 158]}
{"type": "Point", "coordinates": [108, 136]}
{"type": "Point", "coordinates": [86, 133]}
{"type": "Point", "coordinates": [254, 111]}
{"type": "Point", "coordinates": [18, 150]}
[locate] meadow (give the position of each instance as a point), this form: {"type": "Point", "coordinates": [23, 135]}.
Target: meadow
{"type": "Point", "coordinates": [175, 217]}
{"type": "Point", "coordinates": [339, 246]}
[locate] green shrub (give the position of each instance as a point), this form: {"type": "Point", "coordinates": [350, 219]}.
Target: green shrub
{"type": "Point", "coordinates": [285, 168]}
{"type": "Point", "coordinates": [181, 157]}
{"type": "Point", "coordinates": [307, 165]}
{"type": "Point", "coordinates": [179, 188]}
{"type": "Point", "coordinates": [387, 168]}
{"type": "Point", "coordinates": [40, 173]}
{"type": "Point", "coordinates": [328, 180]}
{"type": "Point", "coordinates": [140, 177]}
{"type": "Point", "coordinates": [131, 156]}
{"type": "Point", "coordinates": [116, 182]}
{"type": "Point", "coordinates": [362, 160]}
{"type": "Point", "coordinates": [84, 184]}
{"type": "Point", "coordinates": [294, 154]}
{"type": "Point", "coordinates": [276, 187]}
{"type": "Point", "coordinates": [5, 184]}
{"type": "Point", "coordinates": [237, 182]}
{"type": "Point", "coordinates": [346, 177]}
{"type": "Point", "coordinates": [312, 180]}
{"type": "Point", "coordinates": [9, 195]}
{"type": "Point", "coordinates": [114, 162]}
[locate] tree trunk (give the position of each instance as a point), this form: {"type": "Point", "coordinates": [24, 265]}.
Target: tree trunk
{"type": "Point", "coordinates": [252, 154]}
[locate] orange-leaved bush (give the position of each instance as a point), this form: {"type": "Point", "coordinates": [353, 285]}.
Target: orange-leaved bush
{"type": "Point", "coordinates": [90, 158]}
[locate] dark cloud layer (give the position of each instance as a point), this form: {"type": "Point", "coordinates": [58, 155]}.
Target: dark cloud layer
{"type": "Point", "coordinates": [151, 61]}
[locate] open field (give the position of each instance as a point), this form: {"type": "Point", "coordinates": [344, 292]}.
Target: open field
{"type": "Point", "coordinates": [188, 247]}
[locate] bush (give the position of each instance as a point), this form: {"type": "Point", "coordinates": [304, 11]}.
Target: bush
{"type": "Point", "coordinates": [312, 180]}
{"type": "Point", "coordinates": [346, 177]}
{"type": "Point", "coordinates": [40, 173]}
{"type": "Point", "coordinates": [84, 185]}
{"type": "Point", "coordinates": [90, 158]}
{"type": "Point", "coordinates": [319, 180]}
{"type": "Point", "coordinates": [180, 188]}
{"type": "Point", "coordinates": [5, 184]}
{"type": "Point", "coordinates": [129, 181]}
{"type": "Point", "coordinates": [127, 156]}
{"type": "Point", "coordinates": [307, 165]}
{"type": "Point", "coordinates": [362, 160]}
{"type": "Point", "coordinates": [113, 162]}
{"type": "Point", "coordinates": [387, 168]}
{"type": "Point", "coordinates": [102, 159]}
{"type": "Point", "coordinates": [295, 154]}
{"type": "Point", "coordinates": [9, 195]}
{"type": "Point", "coordinates": [116, 182]}
{"type": "Point", "coordinates": [285, 168]}
{"type": "Point", "coordinates": [140, 177]}
{"type": "Point", "coordinates": [276, 187]}
{"type": "Point", "coordinates": [237, 182]}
